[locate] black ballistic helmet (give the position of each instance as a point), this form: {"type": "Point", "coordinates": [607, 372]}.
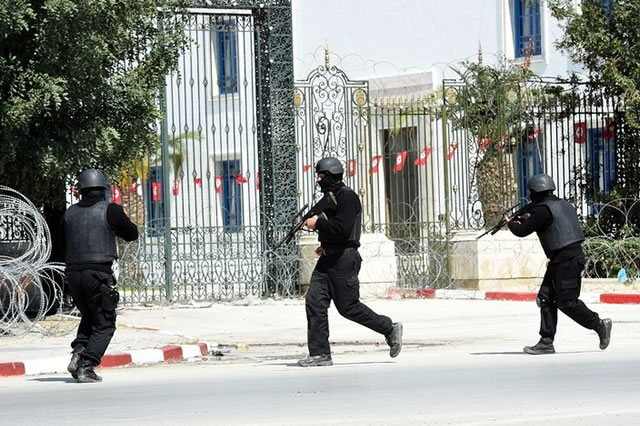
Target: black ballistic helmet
{"type": "Point", "coordinates": [541, 183]}
{"type": "Point", "coordinates": [331, 165]}
{"type": "Point", "coordinates": [91, 178]}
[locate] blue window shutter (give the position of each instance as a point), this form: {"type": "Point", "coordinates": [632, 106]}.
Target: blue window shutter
{"type": "Point", "coordinates": [227, 61]}
{"type": "Point", "coordinates": [527, 27]}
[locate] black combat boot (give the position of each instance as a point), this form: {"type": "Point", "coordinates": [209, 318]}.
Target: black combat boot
{"type": "Point", "coordinates": [394, 340]}
{"type": "Point", "coordinates": [544, 346]}
{"type": "Point", "coordinates": [75, 361]}
{"type": "Point", "coordinates": [323, 360]}
{"type": "Point", "coordinates": [604, 332]}
{"type": "Point", "coordinates": [86, 374]}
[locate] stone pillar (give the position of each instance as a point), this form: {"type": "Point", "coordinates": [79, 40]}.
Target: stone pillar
{"type": "Point", "coordinates": [496, 262]}
{"type": "Point", "coordinates": [379, 268]}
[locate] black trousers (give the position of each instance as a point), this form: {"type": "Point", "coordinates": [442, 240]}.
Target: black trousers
{"type": "Point", "coordinates": [560, 289]}
{"type": "Point", "coordinates": [95, 296]}
{"type": "Point", "coordinates": [336, 278]}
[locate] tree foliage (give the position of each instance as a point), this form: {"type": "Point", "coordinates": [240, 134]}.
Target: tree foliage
{"type": "Point", "coordinates": [604, 35]}
{"type": "Point", "coordinates": [79, 83]}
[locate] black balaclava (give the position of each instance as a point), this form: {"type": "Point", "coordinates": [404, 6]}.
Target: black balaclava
{"type": "Point", "coordinates": [330, 182]}
{"type": "Point", "coordinates": [536, 197]}
{"type": "Point", "coordinates": [93, 193]}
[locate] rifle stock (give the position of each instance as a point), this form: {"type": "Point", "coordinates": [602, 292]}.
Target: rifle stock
{"type": "Point", "coordinates": [502, 222]}
{"type": "Point", "coordinates": [327, 202]}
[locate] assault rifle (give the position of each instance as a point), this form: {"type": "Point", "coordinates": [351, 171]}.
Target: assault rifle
{"type": "Point", "coordinates": [327, 202]}
{"type": "Point", "coordinates": [503, 222]}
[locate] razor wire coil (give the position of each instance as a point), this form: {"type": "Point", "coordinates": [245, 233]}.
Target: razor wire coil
{"type": "Point", "coordinates": [31, 296]}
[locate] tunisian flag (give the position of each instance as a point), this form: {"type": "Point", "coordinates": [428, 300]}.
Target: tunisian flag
{"type": "Point", "coordinates": [375, 162]}
{"type": "Point", "coordinates": [176, 188]}
{"type": "Point", "coordinates": [610, 130]}
{"type": "Point", "coordinates": [218, 184]}
{"type": "Point", "coordinates": [422, 159]}
{"type": "Point", "coordinates": [352, 168]}
{"type": "Point", "coordinates": [116, 195]}
{"type": "Point", "coordinates": [580, 132]}
{"type": "Point", "coordinates": [156, 191]}
{"type": "Point", "coordinates": [240, 179]}
{"type": "Point", "coordinates": [453, 151]}
{"type": "Point", "coordinates": [401, 158]}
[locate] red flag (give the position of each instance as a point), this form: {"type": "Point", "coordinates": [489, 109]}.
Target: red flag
{"type": "Point", "coordinates": [401, 158]}
{"type": "Point", "coordinates": [74, 191]}
{"type": "Point", "coordinates": [133, 187]}
{"type": "Point", "coordinates": [503, 143]}
{"type": "Point", "coordinates": [352, 168]}
{"type": "Point", "coordinates": [453, 151]}
{"type": "Point", "coordinates": [306, 168]}
{"type": "Point", "coordinates": [422, 159]}
{"type": "Point", "coordinates": [580, 132]}
{"type": "Point", "coordinates": [218, 184]}
{"type": "Point", "coordinates": [610, 130]}
{"type": "Point", "coordinates": [483, 143]}
{"type": "Point", "coordinates": [176, 187]}
{"type": "Point", "coordinates": [156, 191]}
{"type": "Point", "coordinates": [535, 135]}
{"type": "Point", "coordinates": [241, 179]}
{"type": "Point", "coordinates": [258, 181]}
{"type": "Point", "coordinates": [198, 181]}
{"type": "Point", "coordinates": [375, 162]}
{"type": "Point", "coordinates": [116, 195]}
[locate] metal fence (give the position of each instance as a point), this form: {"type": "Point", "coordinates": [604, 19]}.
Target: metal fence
{"type": "Point", "coordinates": [239, 142]}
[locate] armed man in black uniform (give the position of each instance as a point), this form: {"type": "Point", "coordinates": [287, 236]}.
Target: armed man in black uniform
{"type": "Point", "coordinates": [556, 223]}
{"type": "Point", "coordinates": [89, 230]}
{"type": "Point", "coordinates": [335, 276]}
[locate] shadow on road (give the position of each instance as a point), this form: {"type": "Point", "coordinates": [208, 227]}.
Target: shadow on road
{"type": "Point", "coordinates": [525, 354]}
{"type": "Point", "coordinates": [54, 379]}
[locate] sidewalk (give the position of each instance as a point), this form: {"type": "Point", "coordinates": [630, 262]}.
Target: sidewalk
{"type": "Point", "coordinates": [255, 330]}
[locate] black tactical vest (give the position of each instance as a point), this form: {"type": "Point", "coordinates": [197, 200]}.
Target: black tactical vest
{"type": "Point", "coordinates": [353, 239]}
{"type": "Point", "coordinates": [89, 239]}
{"type": "Point", "coordinates": [564, 229]}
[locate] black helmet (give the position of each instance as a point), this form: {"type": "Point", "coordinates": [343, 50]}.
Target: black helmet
{"type": "Point", "coordinates": [91, 178]}
{"type": "Point", "coordinates": [331, 165]}
{"type": "Point", "coordinates": [541, 183]}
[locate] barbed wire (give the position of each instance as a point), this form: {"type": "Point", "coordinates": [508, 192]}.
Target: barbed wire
{"type": "Point", "coordinates": [31, 296]}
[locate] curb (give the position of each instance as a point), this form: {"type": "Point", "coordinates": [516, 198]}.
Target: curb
{"type": "Point", "coordinates": [171, 353]}
{"type": "Point", "coordinates": [430, 293]}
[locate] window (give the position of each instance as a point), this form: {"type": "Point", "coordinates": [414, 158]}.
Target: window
{"type": "Point", "coordinates": [529, 162]}
{"type": "Point", "coordinates": [227, 59]}
{"type": "Point", "coordinates": [231, 196]}
{"type": "Point", "coordinates": [602, 164]}
{"type": "Point", "coordinates": [154, 201]}
{"type": "Point", "coordinates": [526, 27]}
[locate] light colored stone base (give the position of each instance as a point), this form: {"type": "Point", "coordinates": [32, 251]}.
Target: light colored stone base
{"type": "Point", "coordinates": [496, 262]}
{"type": "Point", "coordinates": [377, 273]}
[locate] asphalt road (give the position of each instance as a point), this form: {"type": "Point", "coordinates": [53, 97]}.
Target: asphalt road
{"type": "Point", "coordinates": [419, 387]}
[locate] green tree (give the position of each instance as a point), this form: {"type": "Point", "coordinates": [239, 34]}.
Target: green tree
{"type": "Point", "coordinates": [603, 36]}
{"type": "Point", "coordinates": [79, 83]}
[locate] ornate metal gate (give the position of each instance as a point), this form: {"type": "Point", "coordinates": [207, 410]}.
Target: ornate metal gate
{"type": "Point", "coordinates": [212, 201]}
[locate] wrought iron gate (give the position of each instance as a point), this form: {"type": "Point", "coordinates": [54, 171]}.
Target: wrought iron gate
{"type": "Point", "coordinates": [212, 201]}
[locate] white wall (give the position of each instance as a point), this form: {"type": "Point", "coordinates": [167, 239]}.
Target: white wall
{"type": "Point", "coordinates": [376, 38]}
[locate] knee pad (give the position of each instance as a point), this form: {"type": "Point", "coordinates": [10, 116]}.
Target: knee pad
{"type": "Point", "coordinates": [542, 302]}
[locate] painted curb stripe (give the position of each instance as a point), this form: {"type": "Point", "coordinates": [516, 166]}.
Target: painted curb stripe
{"type": "Point", "coordinates": [115, 360]}
{"type": "Point", "coordinates": [460, 294]}
{"type": "Point", "coordinates": [147, 356]}
{"type": "Point", "coordinates": [505, 295]}
{"type": "Point", "coordinates": [191, 351]}
{"type": "Point", "coordinates": [11, 369]}
{"type": "Point", "coordinates": [172, 353]}
{"type": "Point", "coordinates": [619, 298]}
{"type": "Point", "coordinates": [48, 365]}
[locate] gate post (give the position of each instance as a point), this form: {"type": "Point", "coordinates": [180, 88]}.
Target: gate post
{"type": "Point", "coordinates": [166, 205]}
